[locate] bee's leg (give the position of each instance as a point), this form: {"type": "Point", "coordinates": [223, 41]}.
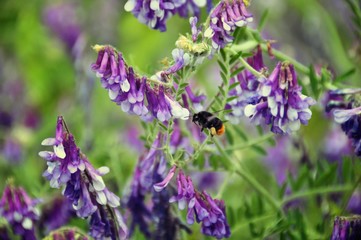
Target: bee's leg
{"type": "Point", "coordinates": [202, 129]}
{"type": "Point", "coordinates": [213, 131]}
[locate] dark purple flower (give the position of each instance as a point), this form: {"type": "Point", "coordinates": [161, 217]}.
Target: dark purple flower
{"type": "Point", "coordinates": [282, 105]}
{"type": "Point", "coordinates": [142, 185]}
{"type": "Point", "coordinates": [202, 208]}
{"type": "Point", "coordinates": [346, 111]}
{"type": "Point", "coordinates": [346, 228]}
{"type": "Point", "coordinates": [6, 120]}
{"type": "Point", "coordinates": [84, 185]}
{"type": "Point", "coordinates": [197, 101]}
{"type": "Point", "coordinates": [56, 214]}
{"type": "Point", "coordinates": [19, 210]}
{"type": "Point", "coordinates": [247, 91]}
{"type": "Point", "coordinates": [224, 19]}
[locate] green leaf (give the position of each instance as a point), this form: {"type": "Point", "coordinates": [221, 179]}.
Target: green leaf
{"type": "Point", "coordinates": [230, 99]}
{"type": "Point", "coordinates": [262, 22]}
{"type": "Point", "coordinates": [221, 90]}
{"type": "Point", "coordinates": [223, 67]}
{"type": "Point", "coordinates": [224, 78]}
{"type": "Point", "coordinates": [237, 71]}
{"type": "Point", "coordinates": [162, 126]}
{"type": "Point", "coordinates": [223, 54]}
{"type": "Point", "coordinates": [259, 150]}
{"type": "Point", "coordinates": [233, 85]}
{"type": "Point", "coordinates": [344, 76]}
{"type": "Point", "coordinates": [240, 133]}
{"type": "Point", "coordinates": [235, 57]}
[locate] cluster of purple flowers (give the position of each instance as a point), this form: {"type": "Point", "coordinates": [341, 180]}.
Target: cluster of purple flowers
{"type": "Point", "coordinates": [224, 19]}
{"type": "Point", "coordinates": [155, 13]}
{"type": "Point", "coordinates": [281, 102]}
{"type": "Point", "coordinates": [201, 206]}
{"type": "Point", "coordinates": [84, 186]}
{"type": "Point", "coordinates": [132, 93]}
{"type": "Point", "coordinates": [19, 210]}
{"type": "Point", "coordinates": [346, 111]}
{"type": "Point", "coordinates": [246, 92]}
{"type": "Point", "coordinates": [346, 228]}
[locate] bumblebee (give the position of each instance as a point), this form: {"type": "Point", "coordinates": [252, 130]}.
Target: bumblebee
{"type": "Point", "coordinates": [208, 120]}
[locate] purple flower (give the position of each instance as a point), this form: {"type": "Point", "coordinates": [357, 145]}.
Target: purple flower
{"type": "Point", "coordinates": [61, 19]}
{"type": "Point", "coordinates": [19, 210]}
{"type": "Point", "coordinates": [354, 203]}
{"type": "Point", "coordinates": [12, 151]}
{"type": "Point", "coordinates": [346, 111]}
{"type": "Point", "coordinates": [155, 13]}
{"type": "Point", "coordinates": [224, 19]}
{"type": "Point", "coordinates": [282, 105]}
{"type": "Point", "coordinates": [56, 213]}
{"type": "Point", "coordinates": [181, 59]}
{"type": "Point", "coordinates": [132, 93]}
{"type": "Point", "coordinates": [195, 31]}
{"type": "Point", "coordinates": [142, 184]}
{"type": "Point", "coordinates": [197, 101]}
{"type": "Point", "coordinates": [346, 228]}
{"type": "Point", "coordinates": [336, 145]}
{"type": "Point", "coordinates": [161, 185]}
{"type": "Point", "coordinates": [246, 92]}
{"type": "Point", "coordinates": [84, 185]}
{"type": "Point", "coordinates": [210, 212]}
{"type": "Point", "coordinates": [279, 159]}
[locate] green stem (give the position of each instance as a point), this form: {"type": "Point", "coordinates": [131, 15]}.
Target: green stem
{"type": "Point", "coordinates": [249, 178]}
{"type": "Point", "coordinates": [317, 191]}
{"type": "Point", "coordinates": [254, 220]}
{"type": "Point", "coordinates": [156, 81]}
{"type": "Point", "coordinates": [251, 143]}
{"type": "Point", "coordinates": [245, 64]}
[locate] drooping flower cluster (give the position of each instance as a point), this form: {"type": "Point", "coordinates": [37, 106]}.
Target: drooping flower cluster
{"type": "Point", "coordinates": [346, 228]}
{"type": "Point", "coordinates": [201, 206]}
{"type": "Point", "coordinates": [19, 210]}
{"type": "Point", "coordinates": [155, 13]}
{"type": "Point", "coordinates": [224, 19]}
{"type": "Point", "coordinates": [84, 186]}
{"type": "Point", "coordinates": [141, 185]}
{"type": "Point", "coordinates": [132, 93]}
{"type": "Point", "coordinates": [346, 111]}
{"type": "Point", "coordinates": [246, 92]}
{"type": "Point", "coordinates": [282, 105]}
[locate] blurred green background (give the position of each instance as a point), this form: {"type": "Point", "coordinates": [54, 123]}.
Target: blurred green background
{"type": "Point", "coordinates": [40, 79]}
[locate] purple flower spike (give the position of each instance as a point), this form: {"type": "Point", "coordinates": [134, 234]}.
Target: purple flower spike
{"type": "Point", "coordinates": [193, 22]}
{"type": "Point", "coordinates": [246, 92]}
{"type": "Point", "coordinates": [133, 93]}
{"type": "Point", "coordinates": [84, 185]}
{"type": "Point", "coordinates": [19, 210]}
{"type": "Point", "coordinates": [161, 185]}
{"type": "Point", "coordinates": [224, 19]}
{"type": "Point", "coordinates": [155, 13]}
{"type": "Point", "coordinates": [282, 105]}
{"type": "Point", "coordinates": [210, 212]}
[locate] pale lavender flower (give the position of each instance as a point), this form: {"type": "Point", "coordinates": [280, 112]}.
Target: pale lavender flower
{"type": "Point", "coordinates": [194, 30]}
{"type": "Point", "coordinates": [12, 150]}
{"type": "Point", "coordinates": [197, 101]}
{"type": "Point", "coordinates": [180, 58]}
{"type": "Point", "coordinates": [336, 145]}
{"type": "Point", "coordinates": [20, 211]}
{"type": "Point", "coordinates": [224, 19]}
{"type": "Point", "coordinates": [84, 185]}
{"type": "Point", "coordinates": [282, 105]}
{"type": "Point", "coordinates": [161, 185]}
